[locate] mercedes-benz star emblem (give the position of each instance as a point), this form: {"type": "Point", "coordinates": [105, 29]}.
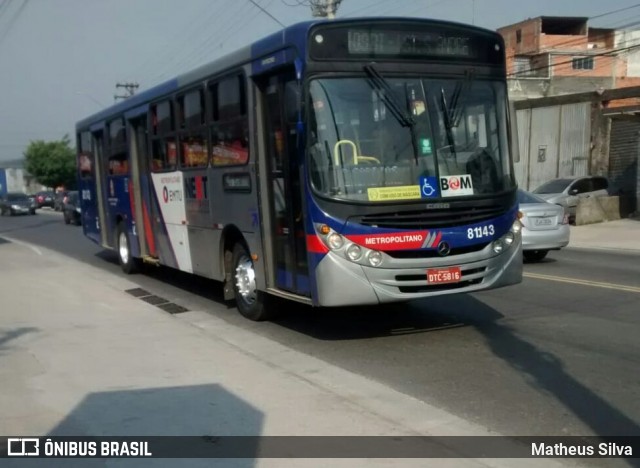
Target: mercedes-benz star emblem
{"type": "Point", "coordinates": [443, 249]}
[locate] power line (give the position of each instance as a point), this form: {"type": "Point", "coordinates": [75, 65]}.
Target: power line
{"type": "Point", "coordinates": [297, 3]}
{"type": "Point", "coordinates": [615, 11]}
{"type": "Point", "coordinates": [548, 67]}
{"type": "Point", "coordinates": [183, 60]}
{"type": "Point", "coordinates": [12, 21]}
{"type": "Point", "coordinates": [3, 7]}
{"type": "Point", "coordinates": [176, 40]}
{"type": "Point", "coordinates": [268, 14]}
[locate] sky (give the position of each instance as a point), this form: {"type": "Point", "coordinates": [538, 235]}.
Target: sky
{"type": "Point", "coordinates": [60, 60]}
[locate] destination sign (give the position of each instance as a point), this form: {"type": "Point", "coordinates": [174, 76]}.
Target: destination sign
{"type": "Point", "coordinates": [411, 41]}
{"type": "Point", "coordinates": [434, 44]}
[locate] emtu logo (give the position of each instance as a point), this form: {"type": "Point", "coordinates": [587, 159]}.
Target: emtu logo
{"type": "Point", "coordinates": [23, 447]}
{"type": "Point", "coordinates": [170, 196]}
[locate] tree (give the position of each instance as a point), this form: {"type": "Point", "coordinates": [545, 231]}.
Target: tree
{"type": "Point", "coordinates": [52, 163]}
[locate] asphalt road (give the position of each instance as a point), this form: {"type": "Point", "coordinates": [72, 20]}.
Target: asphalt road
{"type": "Point", "coordinates": [557, 355]}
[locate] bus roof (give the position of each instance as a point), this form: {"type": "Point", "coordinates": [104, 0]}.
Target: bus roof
{"type": "Point", "coordinates": [294, 35]}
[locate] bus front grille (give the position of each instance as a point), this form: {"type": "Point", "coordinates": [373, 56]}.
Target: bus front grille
{"type": "Point", "coordinates": [439, 218]}
{"type": "Point", "coordinates": [433, 253]}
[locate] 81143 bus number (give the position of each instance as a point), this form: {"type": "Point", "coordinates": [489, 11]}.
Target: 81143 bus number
{"type": "Point", "coordinates": [480, 232]}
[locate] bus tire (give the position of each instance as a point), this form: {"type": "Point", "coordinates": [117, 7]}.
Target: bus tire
{"type": "Point", "coordinates": [251, 303]}
{"type": "Point", "coordinates": [128, 263]}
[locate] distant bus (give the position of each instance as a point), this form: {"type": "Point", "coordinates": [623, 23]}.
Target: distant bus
{"type": "Point", "coordinates": [334, 163]}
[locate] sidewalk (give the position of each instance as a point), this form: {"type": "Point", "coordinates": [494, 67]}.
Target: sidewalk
{"type": "Point", "coordinates": [622, 235]}
{"type": "Point", "coordinates": [81, 357]}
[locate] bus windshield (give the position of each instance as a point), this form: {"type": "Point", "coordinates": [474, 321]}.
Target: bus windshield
{"type": "Point", "coordinates": [378, 133]}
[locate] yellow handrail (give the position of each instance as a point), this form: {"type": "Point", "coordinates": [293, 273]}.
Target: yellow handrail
{"type": "Point", "coordinates": [336, 155]}
{"type": "Point", "coordinates": [356, 156]}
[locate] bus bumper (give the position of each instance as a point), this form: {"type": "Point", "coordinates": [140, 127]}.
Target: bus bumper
{"type": "Point", "coordinates": [343, 283]}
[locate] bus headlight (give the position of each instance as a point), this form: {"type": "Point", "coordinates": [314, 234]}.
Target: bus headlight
{"type": "Point", "coordinates": [335, 240]}
{"type": "Point", "coordinates": [375, 258]}
{"type": "Point", "coordinates": [517, 227]}
{"type": "Point", "coordinates": [508, 238]}
{"type": "Point", "coordinates": [354, 252]}
{"type": "Point", "coordinates": [498, 246]}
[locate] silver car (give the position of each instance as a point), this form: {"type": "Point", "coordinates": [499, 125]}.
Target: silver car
{"type": "Point", "coordinates": [545, 226]}
{"type": "Point", "coordinates": [568, 191]}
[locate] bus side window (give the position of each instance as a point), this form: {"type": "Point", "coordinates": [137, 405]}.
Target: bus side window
{"type": "Point", "coordinates": [85, 155]}
{"type": "Point", "coordinates": [229, 129]}
{"type": "Point", "coordinates": [193, 140]}
{"type": "Point", "coordinates": [118, 156]}
{"type": "Point", "coordinates": [164, 150]}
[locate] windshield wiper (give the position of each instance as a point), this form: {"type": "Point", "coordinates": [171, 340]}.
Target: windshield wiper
{"type": "Point", "coordinates": [453, 112]}
{"type": "Point", "coordinates": [388, 96]}
{"type": "Point", "coordinates": [380, 84]}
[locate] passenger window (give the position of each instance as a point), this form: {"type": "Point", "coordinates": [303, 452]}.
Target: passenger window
{"type": "Point", "coordinates": [194, 151]}
{"type": "Point", "coordinates": [230, 127]}
{"type": "Point", "coordinates": [164, 148]}
{"type": "Point", "coordinates": [600, 183]}
{"type": "Point", "coordinates": [118, 160]}
{"type": "Point", "coordinates": [582, 186]}
{"type": "Point", "coordinates": [163, 154]}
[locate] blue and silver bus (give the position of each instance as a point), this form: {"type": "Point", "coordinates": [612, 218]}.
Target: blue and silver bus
{"type": "Point", "coordinates": [334, 163]}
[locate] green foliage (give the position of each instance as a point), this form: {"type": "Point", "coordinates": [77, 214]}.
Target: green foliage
{"type": "Point", "coordinates": [52, 163]}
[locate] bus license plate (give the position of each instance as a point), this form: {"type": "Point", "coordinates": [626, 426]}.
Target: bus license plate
{"type": "Point", "coordinates": [444, 275]}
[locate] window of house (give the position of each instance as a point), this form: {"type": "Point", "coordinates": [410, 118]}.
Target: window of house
{"type": "Point", "coordinates": [522, 66]}
{"type": "Point", "coordinates": [518, 36]}
{"type": "Point", "coordinates": [582, 63]}
{"type": "Point", "coordinates": [229, 129]}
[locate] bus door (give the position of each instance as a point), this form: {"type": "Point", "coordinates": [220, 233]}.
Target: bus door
{"type": "Point", "coordinates": [286, 238]}
{"type": "Point", "coordinates": [140, 191]}
{"type": "Point", "coordinates": [98, 151]}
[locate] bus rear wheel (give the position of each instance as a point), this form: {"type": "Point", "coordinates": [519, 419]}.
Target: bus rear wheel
{"type": "Point", "coordinates": [128, 263]}
{"type": "Point", "coordinates": [252, 304]}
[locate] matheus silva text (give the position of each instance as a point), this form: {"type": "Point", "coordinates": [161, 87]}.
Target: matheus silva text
{"type": "Point", "coordinates": [605, 449]}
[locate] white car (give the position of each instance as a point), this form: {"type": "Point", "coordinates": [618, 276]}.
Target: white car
{"type": "Point", "coordinates": [545, 226]}
{"type": "Point", "coordinates": [568, 191]}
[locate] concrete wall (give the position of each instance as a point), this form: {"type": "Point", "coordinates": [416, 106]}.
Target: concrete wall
{"type": "Point", "coordinates": [597, 210]}
{"type": "Point", "coordinates": [553, 142]}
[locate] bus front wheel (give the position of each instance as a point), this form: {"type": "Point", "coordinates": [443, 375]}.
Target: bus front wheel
{"type": "Point", "coordinates": [252, 304]}
{"type": "Point", "coordinates": [128, 263]}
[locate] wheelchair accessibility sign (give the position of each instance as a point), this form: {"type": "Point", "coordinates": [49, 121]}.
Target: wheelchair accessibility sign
{"type": "Point", "coordinates": [429, 187]}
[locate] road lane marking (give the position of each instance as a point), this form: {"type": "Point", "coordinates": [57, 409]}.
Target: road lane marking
{"type": "Point", "coordinates": [597, 284]}
{"type": "Point", "coordinates": [24, 244]}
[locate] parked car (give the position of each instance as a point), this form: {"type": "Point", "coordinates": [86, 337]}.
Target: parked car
{"type": "Point", "coordinates": [568, 191]}
{"type": "Point", "coordinates": [16, 203]}
{"type": "Point", "coordinates": [45, 199]}
{"type": "Point", "coordinates": [545, 226]}
{"type": "Point", "coordinates": [71, 209]}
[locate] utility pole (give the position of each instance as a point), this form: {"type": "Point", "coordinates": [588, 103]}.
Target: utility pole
{"type": "Point", "coordinates": [130, 89]}
{"type": "Point", "coordinates": [324, 8]}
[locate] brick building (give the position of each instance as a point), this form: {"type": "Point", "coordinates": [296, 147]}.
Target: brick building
{"type": "Point", "coordinates": [578, 109]}
{"type": "Point", "coordinates": [550, 55]}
